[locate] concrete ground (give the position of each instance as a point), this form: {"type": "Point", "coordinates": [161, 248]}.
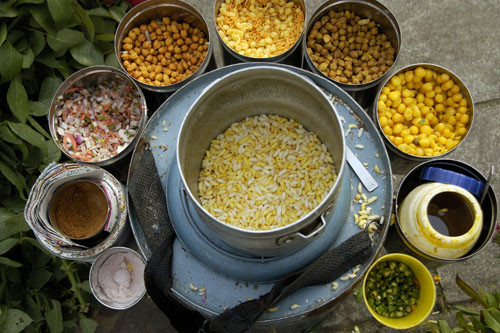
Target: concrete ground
{"type": "Point", "coordinates": [463, 36]}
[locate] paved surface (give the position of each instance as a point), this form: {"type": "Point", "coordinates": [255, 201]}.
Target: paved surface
{"type": "Point", "coordinates": [462, 36]}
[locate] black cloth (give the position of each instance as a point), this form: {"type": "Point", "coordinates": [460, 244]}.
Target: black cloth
{"type": "Point", "coordinates": [149, 202]}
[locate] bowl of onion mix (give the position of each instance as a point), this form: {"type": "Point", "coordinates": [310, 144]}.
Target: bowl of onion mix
{"type": "Point", "coordinates": [399, 291]}
{"type": "Point", "coordinates": [97, 115]}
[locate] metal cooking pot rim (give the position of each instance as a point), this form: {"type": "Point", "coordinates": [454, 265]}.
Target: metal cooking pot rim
{"type": "Point", "coordinates": [308, 82]}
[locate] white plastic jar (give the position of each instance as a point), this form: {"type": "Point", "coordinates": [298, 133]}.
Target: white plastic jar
{"type": "Point", "coordinates": [415, 224]}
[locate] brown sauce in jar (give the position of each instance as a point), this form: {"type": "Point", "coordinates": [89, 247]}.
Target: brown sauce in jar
{"type": "Point", "coordinates": [449, 214]}
{"type": "Point", "coordinates": [79, 209]}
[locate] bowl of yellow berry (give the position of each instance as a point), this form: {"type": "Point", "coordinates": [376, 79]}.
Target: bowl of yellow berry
{"type": "Point", "coordinates": [424, 111]}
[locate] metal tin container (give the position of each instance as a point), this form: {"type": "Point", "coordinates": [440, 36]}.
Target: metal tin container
{"type": "Point", "coordinates": [87, 77]}
{"type": "Point", "coordinates": [98, 290]}
{"type": "Point", "coordinates": [280, 58]}
{"type": "Point", "coordinates": [412, 180]}
{"type": "Point", "coordinates": [175, 9]}
{"type": "Point", "coordinates": [37, 209]}
{"type": "Point", "coordinates": [437, 69]}
{"type": "Point", "coordinates": [373, 10]}
{"type": "Point", "coordinates": [59, 194]}
{"type": "Point", "coordinates": [250, 92]}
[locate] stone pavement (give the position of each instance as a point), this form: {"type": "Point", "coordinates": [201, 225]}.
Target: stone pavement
{"type": "Point", "coordinates": [463, 36]}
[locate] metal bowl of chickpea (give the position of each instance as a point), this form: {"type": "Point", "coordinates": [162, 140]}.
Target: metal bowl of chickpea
{"type": "Point", "coordinates": [352, 43]}
{"type": "Point", "coordinates": [257, 30]}
{"type": "Point", "coordinates": [423, 111]}
{"type": "Point", "coordinates": [163, 44]}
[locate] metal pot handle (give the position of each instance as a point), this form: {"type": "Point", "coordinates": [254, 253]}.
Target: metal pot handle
{"type": "Point", "coordinates": [307, 237]}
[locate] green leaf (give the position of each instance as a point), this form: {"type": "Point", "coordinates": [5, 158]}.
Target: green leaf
{"type": "Point", "coordinates": [11, 60]}
{"type": "Point", "coordinates": [85, 286]}
{"type": "Point", "coordinates": [7, 244]}
{"type": "Point", "coordinates": [11, 263]}
{"type": "Point", "coordinates": [28, 134]}
{"type": "Point", "coordinates": [6, 5]}
{"type": "Point", "coordinates": [36, 244]}
{"type": "Point", "coordinates": [32, 308]}
{"type": "Point", "coordinates": [30, 1]}
{"type": "Point", "coordinates": [14, 204]}
{"type": "Point", "coordinates": [17, 224]}
{"type": "Point", "coordinates": [7, 156]}
{"type": "Point", "coordinates": [48, 59]}
{"type": "Point", "coordinates": [21, 44]}
{"type": "Point", "coordinates": [65, 69]}
{"type": "Point", "coordinates": [65, 39]}
{"type": "Point", "coordinates": [490, 321]}
{"type": "Point", "coordinates": [86, 21]}
{"type": "Point", "coordinates": [14, 177]}
{"type": "Point", "coordinates": [3, 33]}
{"type": "Point", "coordinates": [28, 58]}
{"type": "Point", "coordinates": [117, 13]}
{"type": "Point", "coordinates": [15, 321]}
{"type": "Point", "coordinates": [495, 313]}
{"type": "Point", "coordinates": [88, 325]}
{"type": "Point", "coordinates": [11, 12]}
{"type": "Point", "coordinates": [42, 16]}
{"type": "Point", "coordinates": [467, 311]}
{"type": "Point", "coordinates": [105, 37]}
{"type": "Point", "coordinates": [7, 150]}
{"type": "Point", "coordinates": [17, 98]}
{"type": "Point", "coordinates": [112, 61]}
{"type": "Point", "coordinates": [358, 294]}
{"type": "Point", "coordinates": [87, 54]}
{"type": "Point", "coordinates": [469, 291]}
{"type": "Point", "coordinates": [5, 215]}
{"type": "Point", "coordinates": [491, 300]}
{"type": "Point", "coordinates": [37, 41]}
{"type": "Point", "coordinates": [37, 109]}
{"type": "Point", "coordinates": [478, 325]}
{"type": "Point", "coordinates": [61, 11]}
{"type": "Point", "coordinates": [48, 89]}
{"type": "Point", "coordinates": [34, 158]}
{"type": "Point", "coordinates": [461, 321]}
{"type": "Point", "coordinates": [39, 277]}
{"type": "Point", "coordinates": [54, 317]}
{"type": "Point", "coordinates": [100, 11]}
{"type": "Point", "coordinates": [7, 135]}
{"type": "Point", "coordinates": [443, 327]}
{"type": "Point", "coordinates": [53, 152]}
{"type": "Point", "coordinates": [38, 127]}
{"type": "Point", "coordinates": [23, 149]}
{"type": "Point", "coordinates": [13, 274]}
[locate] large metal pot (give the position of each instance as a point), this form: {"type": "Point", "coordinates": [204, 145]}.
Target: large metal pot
{"type": "Point", "coordinates": [250, 92]}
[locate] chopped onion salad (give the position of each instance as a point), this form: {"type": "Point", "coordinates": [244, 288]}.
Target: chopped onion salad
{"type": "Point", "coordinates": [96, 123]}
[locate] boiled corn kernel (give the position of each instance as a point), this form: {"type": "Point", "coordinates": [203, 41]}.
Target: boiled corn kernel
{"type": "Point", "coordinates": [264, 173]}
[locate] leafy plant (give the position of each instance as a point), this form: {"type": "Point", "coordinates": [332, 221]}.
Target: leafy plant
{"type": "Point", "coordinates": [486, 320]}
{"type": "Point", "coordinates": [41, 43]}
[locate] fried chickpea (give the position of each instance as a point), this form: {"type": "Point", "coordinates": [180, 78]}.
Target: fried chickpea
{"type": "Point", "coordinates": [153, 51]}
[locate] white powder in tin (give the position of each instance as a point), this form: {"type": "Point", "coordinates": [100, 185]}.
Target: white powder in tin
{"type": "Point", "coordinates": [121, 277]}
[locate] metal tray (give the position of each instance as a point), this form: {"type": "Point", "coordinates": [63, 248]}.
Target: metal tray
{"type": "Point", "coordinates": [222, 292]}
